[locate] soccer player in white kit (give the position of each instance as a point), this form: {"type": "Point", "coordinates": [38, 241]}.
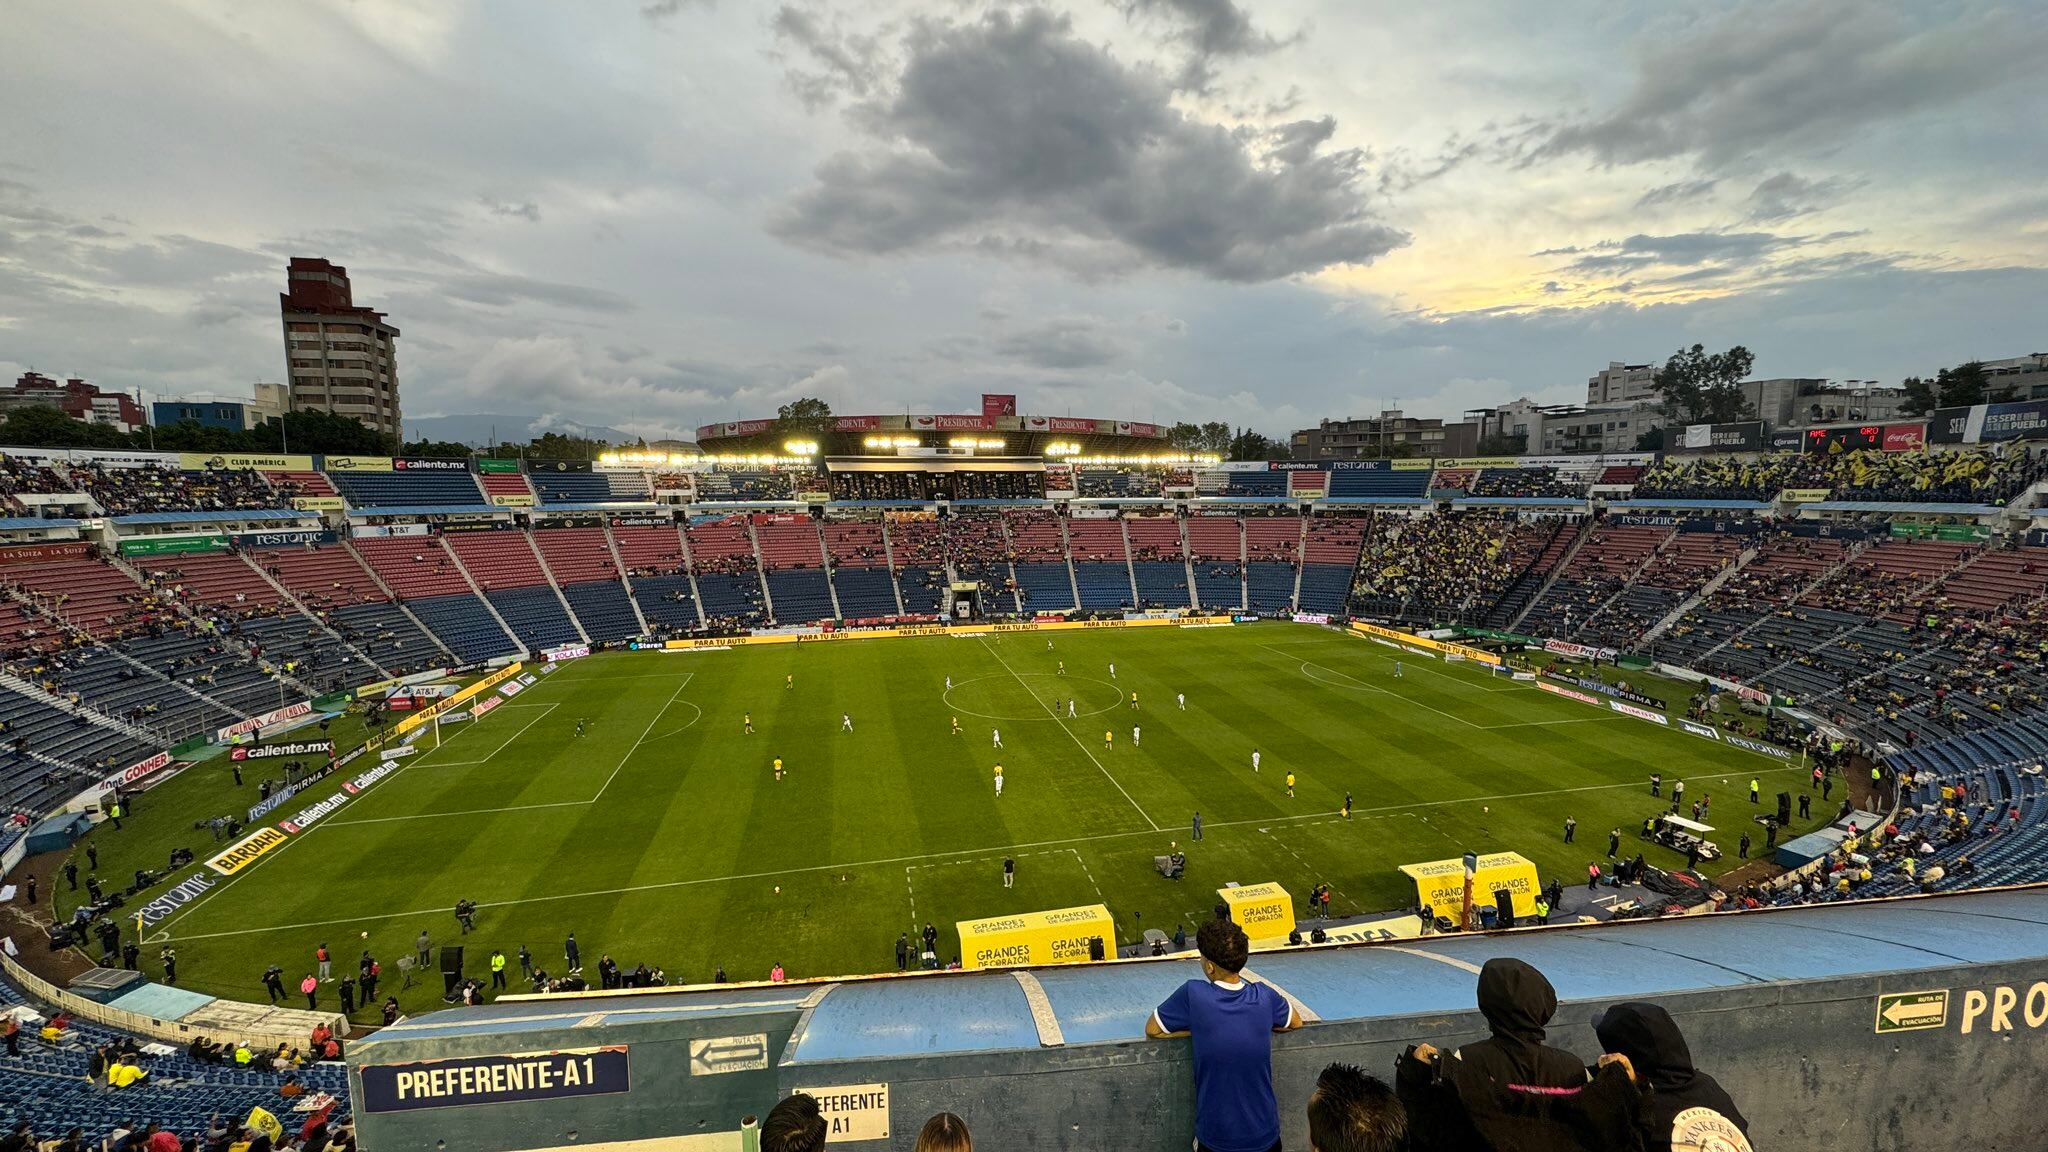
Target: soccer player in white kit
{"type": "Point", "coordinates": [1112, 670]}
{"type": "Point", "coordinates": [1070, 707]}
{"type": "Point", "coordinates": [1181, 698]}
{"type": "Point", "coordinates": [996, 734]}
{"type": "Point", "coordinates": [999, 779]}
{"type": "Point", "coordinates": [1255, 759]}
{"type": "Point", "coordinates": [949, 683]}
{"type": "Point", "coordinates": [846, 721]}
{"type": "Point", "coordinates": [1134, 735]}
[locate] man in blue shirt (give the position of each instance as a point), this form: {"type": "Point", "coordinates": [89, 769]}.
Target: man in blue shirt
{"type": "Point", "coordinates": [1232, 1022]}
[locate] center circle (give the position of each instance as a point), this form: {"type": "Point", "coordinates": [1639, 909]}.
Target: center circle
{"type": "Point", "coordinates": [1031, 696]}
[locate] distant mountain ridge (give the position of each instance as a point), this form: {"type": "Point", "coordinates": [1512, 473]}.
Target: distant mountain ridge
{"type": "Point", "coordinates": [486, 428]}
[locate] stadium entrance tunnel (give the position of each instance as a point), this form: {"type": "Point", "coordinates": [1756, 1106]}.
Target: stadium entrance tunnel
{"type": "Point", "coordinates": [1906, 1024]}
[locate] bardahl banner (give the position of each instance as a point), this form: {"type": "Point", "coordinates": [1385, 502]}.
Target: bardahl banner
{"type": "Point", "coordinates": [517, 1078]}
{"type": "Point", "coordinates": [247, 851]}
{"type": "Point", "coordinates": [290, 748]}
{"type": "Point", "coordinates": [355, 464]}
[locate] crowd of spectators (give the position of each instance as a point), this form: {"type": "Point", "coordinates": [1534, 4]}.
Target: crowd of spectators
{"type": "Point", "coordinates": [1990, 476]}
{"type": "Point", "coordinates": [1734, 477]}
{"type": "Point", "coordinates": [1112, 482]}
{"type": "Point", "coordinates": [1434, 566]}
{"type": "Point", "coordinates": [18, 475]}
{"type": "Point", "coordinates": [1526, 482]}
{"type": "Point", "coordinates": [127, 491]}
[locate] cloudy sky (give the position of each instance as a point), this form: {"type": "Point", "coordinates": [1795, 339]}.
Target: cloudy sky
{"type": "Point", "coordinates": [652, 214]}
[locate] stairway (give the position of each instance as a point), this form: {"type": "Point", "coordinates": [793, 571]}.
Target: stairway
{"type": "Point", "coordinates": [292, 599]}
{"type": "Point", "coordinates": [626, 581]}
{"type": "Point", "coordinates": [554, 585]}
{"type": "Point", "coordinates": [478, 590]}
{"type": "Point", "coordinates": [392, 595]}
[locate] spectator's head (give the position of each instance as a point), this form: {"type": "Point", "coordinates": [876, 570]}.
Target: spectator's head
{"type": "Point", "coordinates": [1352, 1112]}
{"type": "Point", "coordinates": [944, 1132]}
{"type": "Point", "coordinates": [1223, 947]}
{"type": "Point", "coordinates": [1516, 999]}
{"type": "Point", "coordinates": [794, 1125]}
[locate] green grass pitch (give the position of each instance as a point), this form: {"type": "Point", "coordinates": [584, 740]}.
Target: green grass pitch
{"type": "Point", "coordinates": [661, 836]}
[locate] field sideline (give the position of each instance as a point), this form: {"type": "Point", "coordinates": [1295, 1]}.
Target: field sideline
{"type": "Point", "coordinates": [661, 835]}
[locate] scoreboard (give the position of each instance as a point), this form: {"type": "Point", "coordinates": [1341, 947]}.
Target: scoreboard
{"type": "Point", "coordinates": [1849, 439]}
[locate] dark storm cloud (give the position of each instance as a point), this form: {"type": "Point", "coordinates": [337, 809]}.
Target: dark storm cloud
{"type": "Point", "coordinates": [1769, 76]}
{"type": "Point", "coordinates": [1012, 135]}
{"type": "Point", "coordinates": [1207, 31]}
{"type": "Point", "coordinates": [1064, 343]}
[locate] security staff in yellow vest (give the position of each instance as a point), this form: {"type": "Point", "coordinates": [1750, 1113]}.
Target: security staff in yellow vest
{"type": "Point", "coordinates": [497, 968]}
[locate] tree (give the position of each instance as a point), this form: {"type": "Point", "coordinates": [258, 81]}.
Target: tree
{"type": "Point", "coordinates": [1921, 397]}
{"type": "Point", "coordinates": [805, 418]}
{"type": "Point", "coordinates": [443, 448]}
{"type": "Point", "coordinates": [1212, 437]}
{"type": "Point", "coordinates": [46, 426]}
{"type": "Point", "coordinates": [1651, 440]}
{"type": "Point", "coordinates": [555, 446]}
{"type": "Point", "coordinates": [315, 431]}
{"type": "Point", "coordinates": [1250, 445]}
{"type": "Point", "coordinates": [192, 436]}
{"type": "Point", "coordinates": [1697, 388]}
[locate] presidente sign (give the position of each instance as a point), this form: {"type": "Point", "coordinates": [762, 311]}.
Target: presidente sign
{"type": "Point", "coordinates": [273, 751]}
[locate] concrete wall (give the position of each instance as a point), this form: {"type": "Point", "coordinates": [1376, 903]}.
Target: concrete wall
{"type": "Point", "coordinates": [1782, 1006]}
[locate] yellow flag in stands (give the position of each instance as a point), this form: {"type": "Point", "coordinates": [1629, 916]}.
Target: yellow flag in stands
{"type": "Point", "coordinates": [265, 1123]}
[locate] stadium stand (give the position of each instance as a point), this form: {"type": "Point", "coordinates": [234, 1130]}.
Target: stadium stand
{"type": "Point", "coordinates": [1102, 571]}
{"type": "Point", "coordinates": [1158, 562]}
{"type": "Point", "coordinates": [653, 555]}
{"type": "Point", "coordinates": [1379, 484]}
{"type": "Point", "coordinates": [1329, 557]}
{"type": "Point", "coordinates": [728, 576]}
{"type": "Point", "coordinates": [1272, 548]}
{"type": "Point", "coordinates": [442, 487]}
{"type": "Point", "coordinates": [1608, 558]}
{"type": "Point", "coordinates": [506, 489]}
{"type": "Point", "coordinates": [129, 491]}
{"type": "Point", "coordinates": [1038, 557]}
{"type": "Point", "coordinates": [919, 550]}
{"type": "Point", "coordinates": [1216, 548]}
{"type": "Point", "coordinates": [860, 569]}
{"type": "Point", "coordinates": [580, 562]}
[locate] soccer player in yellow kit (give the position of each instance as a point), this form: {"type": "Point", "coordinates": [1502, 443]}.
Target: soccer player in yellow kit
{"type": "Point", "coordinates": [778, 767]}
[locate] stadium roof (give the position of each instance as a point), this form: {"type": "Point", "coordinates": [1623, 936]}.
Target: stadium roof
{"type": "Point", "coordinates": [26, 523]}
{"type": "Point", "coordinates": [1887, 506]}
{"type": "Point", "coordinates": [425, 510]}
{"type": "Point", "coordinates": [1703, 505]}
{"type": "Point", "coordinates": [272, 514]}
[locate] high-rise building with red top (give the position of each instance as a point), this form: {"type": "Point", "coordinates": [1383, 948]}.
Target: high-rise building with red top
{"type": "Point", "coordinates": [342, 358]}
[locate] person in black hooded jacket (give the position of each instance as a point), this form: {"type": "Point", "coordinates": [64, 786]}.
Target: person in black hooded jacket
{"type": "Point", "coordinates": [1511, 1090]}
{"type": "Point", "coordinates": [1685, 1108]}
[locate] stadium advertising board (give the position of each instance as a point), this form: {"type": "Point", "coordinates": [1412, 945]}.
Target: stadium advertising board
{"type": "Point", "coordinates": [734, 428]}
{"type": "Point", "coordinates": [995, 405]}
{"type": "Point", "coordinates": [428, 464]}
{"type": "Point", "coordinates": [1567, 693]}
{"type": "Point", "coordinates": [1264, 911]}
{"type": "Point", "coordinates": [1386, 928]}
{"type": "Point", "coordinates": [1595, 684]}
{"type": "Point", "coordinates": [274, 716]}
{"type": "Point", "coordinates": [497, 466]}
{"type": "Point", "coordinates": [1441, 883]}
{"type": "Point", "coordinates": [1060, 936]}
{"type": "Point", "coordinates": [355, 464]}
{"type": "Point", "coordinates": [566, 652]}
{"type": "Point", "coordinates": [460, 698]}
{"type": "Point", "coordinates": [1805, 495]}
{"type": "Point", "coordinates": [1638, 713]}
{"type": "Point", "coordinates": [276, 799]}
{"type": "Point", "coordinates": [167, 903]}
{"type": "Point", "coordinates": [201, 461]}
{"type": "Point", "coordinates": [1989, 423]}
{"type": "Point", "coordinates": [1859, 438]}
{"type": "Point", "coordinates": [509, 1079]}
{"type": "Point", "coordinates": [719, 643]}
{"type": "Point", "coordinates": [136, 771]}
{"type": "Point", "coordinates": [1747, 744]}
{"type": "Point", "coordinates": [289, 748]}
{"type": "Point", "coordinates": [319, 503]}
{"type": "Point", "coordinates": [1311, 618]}
{"type": "Point", "coordinates": [952, 423]}
{"type": "Point", "coordinates": [1905, 437]}
{"type": "Point", "coordinates": [171, 545]}
{"type": "Point", "coordinates": [1064, 425]}
{"type": "Point", "coordinates": [247, 851]}
{"type": "Point", "coordinates": [39, 553]}
{"type": "Point", "coordinates": [1134, 428]}
{"type": "Point", "coordinates": [1425, 643]}
{"type": "Point", "coordinates": [1786, 440]}
{"type": "Point", "coordinates": [1701, 730]}
{"type": "Point", "coordinates": [856, 423]}
{"type": "Point", "coordinates": [281, 537]}
{"type": "Point", "coordinates": [1576, 651]}
{"type": "Point", "coordinates": [312, 812]}
{"type": "Point", "coordinates": [1744, 437]}
{"type": "Point", "coordinates": [514, 500]}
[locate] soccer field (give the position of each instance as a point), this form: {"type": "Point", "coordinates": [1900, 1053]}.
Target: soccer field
{"type": "Point", "coordinates": [661, 836]}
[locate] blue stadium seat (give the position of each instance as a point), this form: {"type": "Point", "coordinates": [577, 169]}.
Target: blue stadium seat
{"type": "Point", "coordinates": [463, 623]}
{"type": "Point", "coordinates": [1046, 587]}
{"type": "Point", "coordinates": [396, 489]}
{"type": "Point", "coordinates": [800, 595]}
{"type": "Point", "coordinates": [864, 592]}
{"type": "Point", "coordinates": [604, 609]}
{"type": "Point", "coordinates": [536, 616]}
{"type": "Point", "coordinates": [1269, 586]}
{"type": "Point", "coordinates": [1103, 584]}
{"type": "Point", "coordinates": [666, 600]}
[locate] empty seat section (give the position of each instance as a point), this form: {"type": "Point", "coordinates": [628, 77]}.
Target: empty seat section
{"type": "Point", "coordinates": [535, 615]}
{"type": "Point", "coordinates": [506, 489]}
{"type": "Point", "coordinates": [800, 595]}
{"type": "Point", "coordinates": [498, 560]}
{"type": "Point", "coordinates": [416, 567]}
{"type": "Point", "coordinates": [463, 623]}
{"type": "Point", "coordinates": [569, 487]}
{"type": "Point", "coordinates": [325, 576]}
{"type": "Point", "coordinates": [1157, 561]}
{"type": "Point", "coordinates": [604, 609]}
{"type": "Point", "coordinates": [398, 489]}
{"type": "Point", "coordinates": [1379, 483]}
{"type": "Point", "coordinates": [653, 554]}
{"type": "Point", "coordinates": [1038, 558]}
{"type": "Point", "coordinates": [1329, 557]}
{"type": "Point", "coordinates": [860, 569]}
